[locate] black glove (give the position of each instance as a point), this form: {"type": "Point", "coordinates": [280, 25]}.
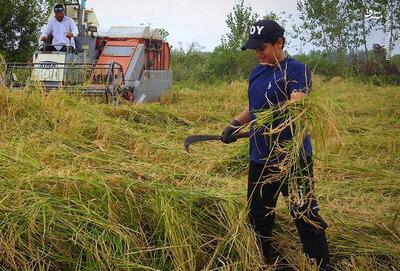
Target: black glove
{"type": "Point", "coordinates": [227, 137]}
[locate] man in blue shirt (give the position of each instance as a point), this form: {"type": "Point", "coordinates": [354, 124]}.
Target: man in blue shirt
{"type": "Point", "coordinates": [274, 81]}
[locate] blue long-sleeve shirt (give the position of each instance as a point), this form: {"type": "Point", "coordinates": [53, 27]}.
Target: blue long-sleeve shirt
{"type": "Point", "coordinates": [268, 87]}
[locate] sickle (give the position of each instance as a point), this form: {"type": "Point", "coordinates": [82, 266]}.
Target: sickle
{"type": "Point", "coordinates": [199, 138]}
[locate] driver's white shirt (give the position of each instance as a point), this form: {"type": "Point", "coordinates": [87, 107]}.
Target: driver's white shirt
{"type": "Point", "coordinates": [59, 30]}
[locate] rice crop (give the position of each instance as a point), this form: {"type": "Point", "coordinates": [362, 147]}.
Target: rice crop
{"type": "Point", "coordinates": [87, 186]}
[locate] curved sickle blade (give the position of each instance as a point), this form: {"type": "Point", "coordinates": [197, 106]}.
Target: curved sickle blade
{"type": "Point", "coordinates": [198, 138]}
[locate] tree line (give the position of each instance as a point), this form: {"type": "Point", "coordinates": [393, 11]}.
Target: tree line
{"type": "Point", "coordinates": [339, 28]}
{"type": "Point", "coordinates": [20, 25]}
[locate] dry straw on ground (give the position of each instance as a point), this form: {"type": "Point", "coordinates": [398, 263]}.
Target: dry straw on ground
{"type": "Point", "coordinates": [87, 186]}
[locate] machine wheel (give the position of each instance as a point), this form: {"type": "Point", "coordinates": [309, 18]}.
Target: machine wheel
{"type": "Point", "coordinates": [114, 83]}
{"type": "Point", "coordinates": [115, 94]}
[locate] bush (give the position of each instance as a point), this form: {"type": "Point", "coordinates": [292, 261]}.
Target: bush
{"type": "Point", "coordinates": [229, 65]}
{"type": "Point", "coordinates": [222, 64]}
{"type": "Point", "coordinates": [396, 61]}
{"type": "Point", "coordinates": [189, 65]}
{"type": "Point", "coordinates": [225, 64]}
{"type": "Point", "coordinates": [329, 65]}
{"type": "Point", "coordinates": [374, 69]}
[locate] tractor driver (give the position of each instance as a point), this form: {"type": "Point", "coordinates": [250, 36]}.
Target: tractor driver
{"type": "Point", "coordinates": [63, 30]}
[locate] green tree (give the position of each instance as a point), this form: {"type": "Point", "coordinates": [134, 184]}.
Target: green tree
{"type": "Point", "coordinates": [344, 25]}
{"type": "Point", "coordinates": [20, 23]}
{"type": "Point", "coordinates": [189, 64]}
{"type": "Point", "coordinates": [282, 19]}
{"type": "Point", "coordinates": [385, 14]}
{"type": "Point", "coordinates": [323, 24]}
{"type": "Point", "coordinates": [239, 22]}
{"type": "Point", "coordinates": [228, 61]}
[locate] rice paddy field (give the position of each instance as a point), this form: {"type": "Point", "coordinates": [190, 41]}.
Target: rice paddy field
{"type": "Point", "coordinates": [87, 186]}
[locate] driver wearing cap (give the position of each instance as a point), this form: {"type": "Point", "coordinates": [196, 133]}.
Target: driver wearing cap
{"type": "Point", "coordinates": [63, 29]}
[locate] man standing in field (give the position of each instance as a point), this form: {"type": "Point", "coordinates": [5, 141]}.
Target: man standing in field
{"type": "Point", "coordinates": [63, 30]}
{"type": "Point", "coordinates": [274, 81]}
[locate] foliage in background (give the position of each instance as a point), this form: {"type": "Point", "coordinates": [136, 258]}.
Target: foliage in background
{"type": "Point", "coordinates": [340, 40]}
{"type": "Point", "coordinates": [375, 69]}
{"type": "Point", "coordinates": [190, 64]}
{"type": "Point", "coordinates": [342, 26]}
{"type": "Point", "coordinates": [20, 24]}
{"type": "Point", "coordinates": [238, 22]}
{"type": "Point", "coordinates": [383, 10]}
{"type": "Point", "coordinates": [396, 61]}
{"type": "Point", "coordinates": [228, 65]}
{"type": "Point", "coordinates": [322, 63]}
{"type": "Point", "coordinates": [331, 24]}
{"type": "Point", "coordinates": [228, 61]}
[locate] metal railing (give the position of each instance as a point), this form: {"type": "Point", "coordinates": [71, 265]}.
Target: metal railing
{"type": "Point", "coordinates": [78, 78]}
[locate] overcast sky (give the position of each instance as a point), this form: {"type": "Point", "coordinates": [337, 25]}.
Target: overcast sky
{"type": "Point", "coordinates": [191, 20]}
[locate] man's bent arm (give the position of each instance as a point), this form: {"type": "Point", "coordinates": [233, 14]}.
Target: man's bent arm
{"type": "Point", "coordinates": [297, 95]}
{"type": "Point", "coordinates": [244, 117]}
{"type": "Point", "coordinates": [74, 28]}
{"type": "Point", "coordinates": [47, 30]}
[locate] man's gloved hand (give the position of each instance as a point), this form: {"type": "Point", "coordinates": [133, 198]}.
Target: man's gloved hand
{"type": "Point", "coordinates": [227, 137]}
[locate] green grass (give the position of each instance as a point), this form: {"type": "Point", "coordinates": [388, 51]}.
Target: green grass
{"type": "Point", "coordinates": [90, 187]}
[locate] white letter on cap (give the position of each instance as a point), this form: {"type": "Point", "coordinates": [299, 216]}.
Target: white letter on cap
{"type": "Point", "coordinates": [253, 30]}
{"type": "Point", "coordinates": [259, 29]}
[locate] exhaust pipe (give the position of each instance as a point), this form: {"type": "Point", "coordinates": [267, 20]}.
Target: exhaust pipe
{"type": "Point", "coordinates": [81, 23]}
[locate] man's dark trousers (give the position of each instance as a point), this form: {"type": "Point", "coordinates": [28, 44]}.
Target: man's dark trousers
{"type": "Point", "coordinates": [262, 197]}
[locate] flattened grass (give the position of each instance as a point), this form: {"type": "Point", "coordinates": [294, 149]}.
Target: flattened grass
{"type": "Point", "coordinates": [87, 186]}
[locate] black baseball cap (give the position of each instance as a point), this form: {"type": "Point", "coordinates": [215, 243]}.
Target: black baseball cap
{"type": "Point", "coordinates": [59, 8]}
{"type": "Point", "coordinates": [263, 31]}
